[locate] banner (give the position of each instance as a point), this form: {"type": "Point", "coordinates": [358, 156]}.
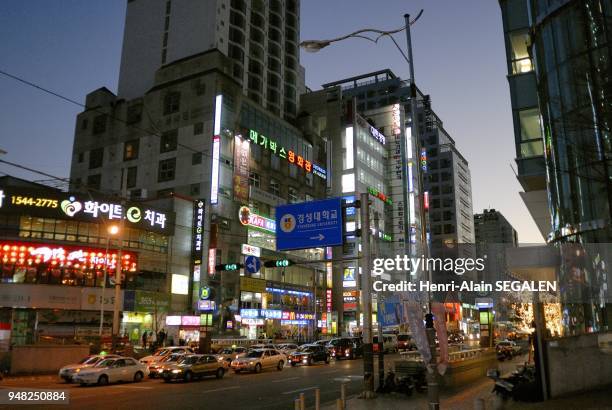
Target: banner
{"type": "Point", "coordinates": [241, 169]}
{"type": "Point", "coordinates": [413, 315]}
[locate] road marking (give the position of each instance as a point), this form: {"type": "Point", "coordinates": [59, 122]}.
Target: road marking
{"type": "Point", "coordinates": [221, 389]}
{"type": "Point", "coordinates": [330, 372]}
{"type": "Point", "coordinates": [300, 390]}
{"type": "Point", "coordinates": [284, 380]}
{"type": "Point", "coordinates": [133, 387]}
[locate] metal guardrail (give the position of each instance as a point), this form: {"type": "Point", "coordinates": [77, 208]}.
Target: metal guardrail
{"type": "Point", "coordinates": [240, 342]}
{"type": "Point", "coordinates": [452, 356]}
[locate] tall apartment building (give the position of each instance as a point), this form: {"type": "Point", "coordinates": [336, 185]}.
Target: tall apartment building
{"type": "Point", "coordinates": [260, 37]}
{"type": "Point", "coordinates": [492, 227]}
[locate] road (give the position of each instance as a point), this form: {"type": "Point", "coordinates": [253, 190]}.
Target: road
{"type": "Point", "coordinates": [271, 389]}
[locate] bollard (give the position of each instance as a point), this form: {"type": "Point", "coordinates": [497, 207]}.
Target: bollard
{"type": "Point", "coordinates": [339, 405]}
{"type": "Point", "coordinates": [317, 399]}
{"type": "Point", "coordinates": [343, 395]}
{"type": "Point", "coordinates": [479, 404]}
{"type": "Point", "coordinates": [302, 402]}
{"type": "Point", "coordinates": [297, 404]}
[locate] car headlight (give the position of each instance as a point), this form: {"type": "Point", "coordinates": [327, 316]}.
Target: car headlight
{"type": "Point", "coordinates": [252, 362]}
{"type": "Point", "coordinates": [176, 371]}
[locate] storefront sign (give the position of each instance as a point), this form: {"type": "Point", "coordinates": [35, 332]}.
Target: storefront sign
{"type": "Point", "coordinates": [350, 300]}
{"type": "Point", "coordinates": [214, 183]}
{"type": "Point", "coordinates": [423, 159]}
{"type": "Point", "coordinates": [205, 293]}
{"type": "Point", "coordinates": [23, 253]}
{"type": "Point", "coordinates": [241, 169]}
{"type": "Point", "coordinates": [212, 259]}
{"type": "Point", "coordinates": [63, 205]}
{"type": "Point", "coordinates": [328, 300]}
{"type": "Point", "coordinates": [204, 305]}
{"type": "Point", "coordinates": [197, 238]}
{"type": "Point", "coordinates": [274, 314]}
{"type": "Point", "coordinates": [348, 280]}
{"type": "Point", "coordinates": [145, 301]}
{"type": "Point", "coordinates": [190, 320]}
{"type": "Point", "coordinates": [206, 319]}
{"type": "Point", "coordinates": [252, 285]}
{"type": "Point", "coordinates": [251, 250]}
{"type": "Point", "coordinates": [252, 322]}
{"type": "Point", "coordinates": [249, 218]}
{"type": "Point", "coordinates": [288, 155]}
{"type": "Point", "coordinates": [173, 320]}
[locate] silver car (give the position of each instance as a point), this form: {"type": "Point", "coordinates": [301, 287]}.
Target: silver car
{"type": "Point", "coordinates": [67, 372]}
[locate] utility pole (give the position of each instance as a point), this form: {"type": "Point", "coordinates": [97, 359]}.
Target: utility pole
{"type": "Point", "coordinates": [366, 297]}
{"type": "Point", "coordinates": [118, 271]}
{"type": "Point", "coordinates": [379, 302]}
{"type": "Point", "coordinates": [433, 393]}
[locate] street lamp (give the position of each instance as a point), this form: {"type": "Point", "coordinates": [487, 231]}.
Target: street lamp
{"type": "Point", "coordinates": [111, 230]}
{"type": "Point", "coordinates": [316, 45]}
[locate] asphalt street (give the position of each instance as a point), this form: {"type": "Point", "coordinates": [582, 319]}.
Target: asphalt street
{"type": "Point", "coordinates": [271, 389]}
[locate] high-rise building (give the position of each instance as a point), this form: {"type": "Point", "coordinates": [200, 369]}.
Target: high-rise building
{"type": "Point", "coordinates": [260, 37]}
{"type": "Point", "coordinates": [493, 228]}
{"type": "Point", "coordinates": [556, 53]}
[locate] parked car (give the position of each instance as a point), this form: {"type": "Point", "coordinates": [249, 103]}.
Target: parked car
{"type": "Point", "coordinates": [257, 360]}
{"type": "Point", "coordinates": [67, 372]}
{"type": "Point", "coordinates": [345, 347]}
{"type": "Point", "coordinates": [164, 352]}
{"type": "Point", "coordinates": [455, 338]}
{"type": "Point", "coordinates": [122, 369]}
{"type": "Point", "coordinates": [308, 354]}
{"type": "Point", "coordinates": [264, 346]}
{"type": "Point", "coordinates": [405, 342]}
{"type": "Point", "coordinates": [195, 366]}
{"type": "Point", "coordinates": [287, 348]}
{"type": "Point", "coordinates": [156, 368]}
{"type": "Point", "coordinates": [230, 353]}
{"type": "Point", "coordinates": [322, 342]}
{"type": "Point", "coordinates": [509, 347]}
{"type": "Point", "coordinates": [389, 343]}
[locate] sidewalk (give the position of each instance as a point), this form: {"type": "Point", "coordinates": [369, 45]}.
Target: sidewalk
{"type": "Point", "coordinates": [466, 399]}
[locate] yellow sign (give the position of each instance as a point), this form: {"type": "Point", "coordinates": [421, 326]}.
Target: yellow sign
{"type": "Point", "coordinates": [252, 285]}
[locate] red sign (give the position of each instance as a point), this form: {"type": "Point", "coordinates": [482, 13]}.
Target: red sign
{"type": "Point", "coordinates": [23, 253]}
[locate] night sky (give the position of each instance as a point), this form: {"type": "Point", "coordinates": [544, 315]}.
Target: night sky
{"type": "Point", "coordinates": [73, 47]}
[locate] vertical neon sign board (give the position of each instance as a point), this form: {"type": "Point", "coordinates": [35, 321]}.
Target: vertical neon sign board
{"type": "Point", "coordinates": [216, 151]}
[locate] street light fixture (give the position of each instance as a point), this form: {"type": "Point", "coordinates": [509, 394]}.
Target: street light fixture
{"type": "Point", "coordinates": [111, 230]}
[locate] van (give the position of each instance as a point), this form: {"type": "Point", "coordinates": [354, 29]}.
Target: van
{"type": "Point", "coordinates": [389, 343]}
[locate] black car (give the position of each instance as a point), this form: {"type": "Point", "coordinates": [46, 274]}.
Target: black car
{"type": "Point", "coordinates": [308, 354]}
{"type": "Point", "coordinates": [345, 347]}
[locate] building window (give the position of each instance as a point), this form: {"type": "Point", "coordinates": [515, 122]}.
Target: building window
{"type": "Point", "coordinates": [166, 170]}
{"type": "Point", "coordinates": [134, 114]}
{"type": "Point", "coordinates": [198, 128]}
{"type": "Point", "coordinates": [292, 195]}
{"type": "Point", "coordinates": [254, 179]}
{"type": "Point", "coordinates": [172, 103]}
{"type": "Point", "coordinates": [194, 190]}
{"type": "Point", "coordinates": [81, 157]}
{"type": "Point", "coordinates": [130, 150]}
{"type": "Point", "coordinates": [94, 181]}
{"type": "Point", "coordinates": [196, 158]}
{"type": "Point", "coordinates": [99, 124]}
{"type": "Point", "coordinates": [519, 43]}
{"type": "Point", "coordinates": [168, 141]}
{"type": "Point", "coordinates": [274, 187]}
{"type": "Point", "coordinates": [132, 173]}
{"type": "Point", "coordinates": [531, 140]}
{"type": "Point", "coordinates": [275, 162]}
{"type": "Point", "coordinates": [84, 124]}
{"type": "Point", "coordinates": [96, 158]}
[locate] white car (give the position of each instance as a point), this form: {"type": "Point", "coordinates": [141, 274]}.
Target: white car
{"type": "Point", "coordinates": [163, 352]}
{"type": "Point", "coordinates": [67, 372]}
{"type": "Point", "coordinates": [122, 369]}
{"type": "Point", "coordinates": [287, 348]}
{"type": "Point", "coordinates": [257, 360]}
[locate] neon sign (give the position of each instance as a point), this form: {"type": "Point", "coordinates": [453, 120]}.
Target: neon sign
{"type": "Point", "coordinates": [375, 192]}
{"type": "Point", "coordinates": [396, 119]}
{"type": "Point", "coordinates": [64, 256]}
{"type": "Point", "coordinates": [378, 136]}
{"type": "Point", "coordinates": [214, 184]}
{"type": "Point", "coordinates": [248, 218]}
{"type": "Point", "coordinates": [423, 159]}
{"type": "Point", "coordinates": [289, 155]}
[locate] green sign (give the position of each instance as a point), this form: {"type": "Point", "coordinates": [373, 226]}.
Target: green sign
{"type": "Point", "coordinates": [151, 302]}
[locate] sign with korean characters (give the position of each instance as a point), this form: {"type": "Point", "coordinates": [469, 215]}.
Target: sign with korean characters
{"type": "Point", "coordinates": [63, 205]}
{"type": "Point", "coordinates": [287, 154]}
{"type": "Point", "coordinates": [311, 224]}
{"type": "Point", "coordinates": [241, 169]}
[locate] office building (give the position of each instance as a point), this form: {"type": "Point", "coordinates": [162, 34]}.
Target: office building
{"type": "Point", "coordinates": [492, 227]}
{"type": "Point", "coordinates": [260, 38]}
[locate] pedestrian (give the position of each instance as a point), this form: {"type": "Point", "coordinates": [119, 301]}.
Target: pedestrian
{"type": "Point", "coordinates": [144, 340]}
{"type": "Point", "coordinates": [161, 337]}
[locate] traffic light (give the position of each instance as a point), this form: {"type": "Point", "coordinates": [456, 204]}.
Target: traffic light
{"type": "Point", "coordinates": [229, 267]}
{"type": "Point", "coordinates": [281, 263]}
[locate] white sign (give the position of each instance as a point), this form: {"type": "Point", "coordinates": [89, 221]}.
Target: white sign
{"type": "Point", "coordinates": [180, 284]}
{"type": "Point", "coordinates": [251, 250]}
{"type": "Point", "coordinates": [214, 185]}
{"type": "Point", "coordinates": [252, 322]}
{"type": "Point", "coordinates": [173, 320]}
